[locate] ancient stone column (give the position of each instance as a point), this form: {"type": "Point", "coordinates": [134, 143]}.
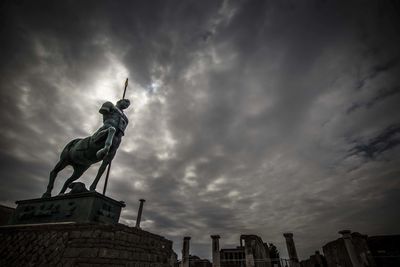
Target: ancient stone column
{"type": "Point", "coordinates": [248, 250]}
{"type": "Point", "coordinates": [216, 261]}
{"type": "Point", "coordinates": [139, 216]}
{"type": "Point", "coordinates": [185, 251]}
{"type": "Point", "coordinates": [319, 258]}
{"type": "Point", "coordinates": [346, 235]}
{"type": "Point", "coordinates": [294, 260]}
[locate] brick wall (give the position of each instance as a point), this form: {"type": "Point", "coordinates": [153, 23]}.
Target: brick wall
{"type": "Point", "coordinates": [82, 245]}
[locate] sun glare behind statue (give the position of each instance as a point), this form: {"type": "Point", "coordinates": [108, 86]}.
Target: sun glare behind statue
{"type": "Point", "coordinates": [108, 85]}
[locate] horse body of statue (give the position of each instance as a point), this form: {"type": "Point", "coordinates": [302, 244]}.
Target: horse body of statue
{"type": "Point", "coordinates": [101, 146]}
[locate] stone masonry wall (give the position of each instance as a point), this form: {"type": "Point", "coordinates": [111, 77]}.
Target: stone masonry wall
{"type": "Point", "coordinates": [70, 244]}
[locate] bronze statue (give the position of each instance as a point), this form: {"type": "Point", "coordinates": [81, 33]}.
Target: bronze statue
{"type": "Point", "coordinates": [101, 146]}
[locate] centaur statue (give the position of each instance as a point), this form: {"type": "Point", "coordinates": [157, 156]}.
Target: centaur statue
{"type": "Point", "coordinates": [101, 146]}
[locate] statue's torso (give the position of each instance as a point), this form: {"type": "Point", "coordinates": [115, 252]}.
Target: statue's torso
{"type": "Point", "coordinates": [113, 116]}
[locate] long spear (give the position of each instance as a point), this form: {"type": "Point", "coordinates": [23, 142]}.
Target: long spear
{"type": "Point", "coordinates": [126, 85]}
{"type": "Point", "coordinates": [109, 165]}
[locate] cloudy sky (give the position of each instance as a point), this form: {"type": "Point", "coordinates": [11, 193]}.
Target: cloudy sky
{"type": "Point", "coordinates": [247, 117]}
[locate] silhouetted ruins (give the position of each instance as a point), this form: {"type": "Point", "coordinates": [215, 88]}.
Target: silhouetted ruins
{"type": "Point", "coordinates": [350, 250]}
{"type": "Point", "coordinates": [106, 244]}
{"type": "Point", "coordinates": [358, 250]}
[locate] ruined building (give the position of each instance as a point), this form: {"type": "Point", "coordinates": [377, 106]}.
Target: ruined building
{"type": "Point", "coordinates": [252, 252]}
{"type": "Point", "coordinates": [195, 261]}
{"type": "Point", "coordinates": [358, 250]}
{"type": "Point", "coordinates": [350, 250]}
{"type": "Point", "coordinates": [316, 260]}
{"type": "Point", "coordinates": [191, 260]}
{"type": "Point", "coordinates": [5, 214]}
{"type": "Point", "coordinates": [385, 249]}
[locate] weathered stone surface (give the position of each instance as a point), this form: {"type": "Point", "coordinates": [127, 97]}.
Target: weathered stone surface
{"type": "Point", "coordinates": [82, 245]}
{"type": "Point", "coordinates": [5, 214]}
{"type": "Point", "coordinates": [81, 208]}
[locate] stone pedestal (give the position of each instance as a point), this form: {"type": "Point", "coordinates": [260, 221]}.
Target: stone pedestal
{"type": "Point", "coordinates": [88, 207]}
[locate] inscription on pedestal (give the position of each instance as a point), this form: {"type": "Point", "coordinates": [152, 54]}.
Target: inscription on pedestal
{"type": "Point", "coordinates": [82, 207]}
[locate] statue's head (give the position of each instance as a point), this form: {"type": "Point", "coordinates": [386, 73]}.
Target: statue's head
{"type": "Point", "coordinates": [123, 103]}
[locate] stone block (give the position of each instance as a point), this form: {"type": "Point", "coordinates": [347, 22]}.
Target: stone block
{"type": "Point", "coordinates": [124, 254]}
{"type": "Point", "coordinates": [71, 252]}
{"type": "Point", "coordinates": [89, 252]}
{"type": "Point", "coordinates": [75, 234]}
{"type": "Point", "coordinates": [82, 207]}
{"type": "Point", "coordinates": [86, 234]}
{"type": "Point", "coordinates": [107, 235]}
{"type": "Point", "coordinates": [108, 253]}
{"type": "Point", "coordinates": [96, 233]}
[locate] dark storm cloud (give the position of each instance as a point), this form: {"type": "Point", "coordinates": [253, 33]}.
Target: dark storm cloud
{"type": "Point", "coordinates": [388, 139]}
{"type": "Point", "coordinates": [244, 112]}
{"type": "Point", "coordinates": [381, 95]}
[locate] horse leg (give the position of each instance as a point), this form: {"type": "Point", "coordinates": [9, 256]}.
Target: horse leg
{"type": "Point", "coordinates": [103, 152]}
{"type": "Point", "coordinates": [78, 171]}
{"type": "Point", "coordinates": [107, 160]}
{"type": "Point", "coordinates": [53, 174]}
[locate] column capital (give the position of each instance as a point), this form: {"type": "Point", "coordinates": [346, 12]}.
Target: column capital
{"type": "Point", "coordinates": [142, 200]}
{"type": "Point", "coordinates": [345, 233]}
{"type": "Point", "coordinates": [215, 236]}
{"type": "Point", "coordinates": [288, 235]}
{"type": "Point", "coordinates": [186, 238]}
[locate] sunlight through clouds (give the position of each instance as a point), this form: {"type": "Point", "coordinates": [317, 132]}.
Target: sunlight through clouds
{"type": "Point", "coordinates": [245, 116]}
